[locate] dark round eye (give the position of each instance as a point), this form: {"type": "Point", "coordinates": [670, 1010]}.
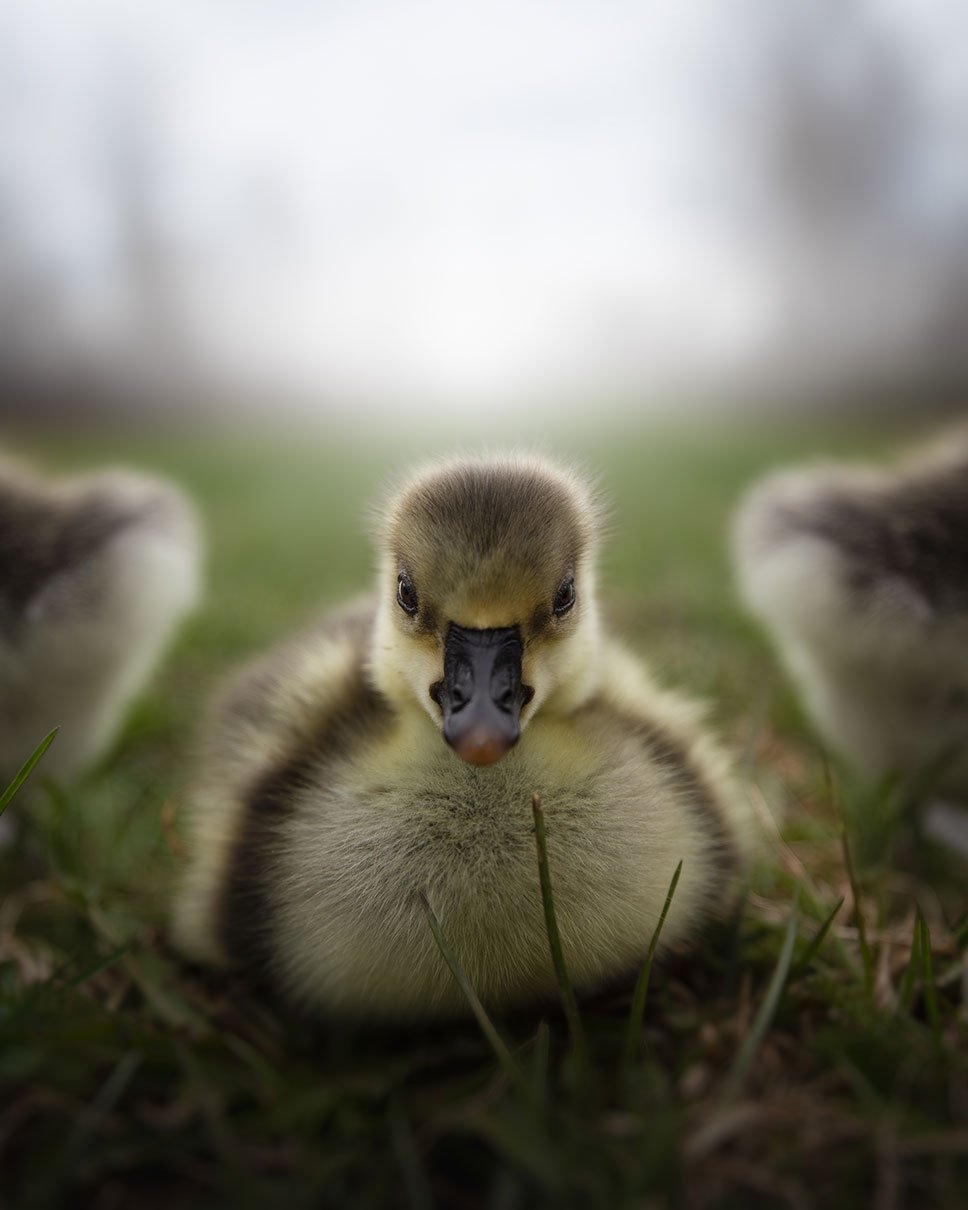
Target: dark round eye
{"type": "Point", "coordinates": [406, 594]}
{"type": "Point", "coordinates": [565, 596]}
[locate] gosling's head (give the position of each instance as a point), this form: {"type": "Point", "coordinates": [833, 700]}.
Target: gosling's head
{"type": "Point", "coordinates": [487, 607]}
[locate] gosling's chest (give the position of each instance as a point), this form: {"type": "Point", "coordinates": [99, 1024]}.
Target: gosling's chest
{"type": "Point", "coordinates": [437, 822]}
{"type": "Point", "coordinates": [351, 930]}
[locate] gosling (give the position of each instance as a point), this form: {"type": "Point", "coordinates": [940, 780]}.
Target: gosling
{"type": "Point", "coordinates": [392, 753]}
{"type": "Point", "coordinates": [95, 573]}
{"type": "Point", "coordinates": [860, 576]}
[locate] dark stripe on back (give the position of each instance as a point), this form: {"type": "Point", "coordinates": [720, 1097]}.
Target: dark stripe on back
{"type": "Point", "coordinates": [700, 798]}
{"type": "Point", "coordinates": [245, 913]}
{"type": "Point", "coordinates": [915, 531]}
{"type": "Point", "coordinates": [40, 538]}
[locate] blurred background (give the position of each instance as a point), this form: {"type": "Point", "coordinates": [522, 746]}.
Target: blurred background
{"type": "Point", "coordinates": [442, 214]}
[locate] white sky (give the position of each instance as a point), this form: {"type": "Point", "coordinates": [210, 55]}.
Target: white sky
{"type": "Point", "coordinates": [420, 198]}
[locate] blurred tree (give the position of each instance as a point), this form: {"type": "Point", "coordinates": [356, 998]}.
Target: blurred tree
{"type": "Point", "coordinates": [873, 282]}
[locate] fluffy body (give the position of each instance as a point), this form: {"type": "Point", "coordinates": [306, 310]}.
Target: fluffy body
{"type": "Point", "coordinates": [95, 573]}
{"type": "Point", "coordinates": [860, 576]}
{"type": "Point", "coordinates": [328, 800]}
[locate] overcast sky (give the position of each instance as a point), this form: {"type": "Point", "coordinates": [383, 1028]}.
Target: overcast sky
{"type": "Point", "coordinates": [430, 199]}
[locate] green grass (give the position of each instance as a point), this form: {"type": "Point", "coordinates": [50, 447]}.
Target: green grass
{"type": "Point", "coordinates": [770, 1068]}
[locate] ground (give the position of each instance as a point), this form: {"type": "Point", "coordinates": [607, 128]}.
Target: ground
{"type": "Point", "coordinates": [790, 1058]}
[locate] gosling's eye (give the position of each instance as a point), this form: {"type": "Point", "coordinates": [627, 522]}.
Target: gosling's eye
{"type": "Point", "coordinates": [406, 594]}
{"type": "Point", "coordinates": [565, 596]}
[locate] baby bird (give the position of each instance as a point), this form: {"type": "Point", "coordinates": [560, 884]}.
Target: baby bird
{"type": "Point", "coordinates": [860, 575]}
{"type": "Point", "coordinates": [393, 751]}
{"type": "Point", "coordinates": [95, 572]}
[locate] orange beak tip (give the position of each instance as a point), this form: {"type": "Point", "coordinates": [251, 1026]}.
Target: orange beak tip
{"type": "Point", "coordinates": [482, 748]}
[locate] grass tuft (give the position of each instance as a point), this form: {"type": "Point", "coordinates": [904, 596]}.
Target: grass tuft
{"type": "Point", "coordinates": [867, 956]}
{"type": "Point", "coordinates": [542, 1049]}
{"type": "Point", "coordinates": [808, 955]}
{"type": "Point", "coordinates": [905, 993]}
{"type": "Point", "coordinates": [568, 1000]}
{"type": "Point", "coordinates": [637, 1012]}
{"type": "Point", "coordinates": [28, 767]}
{"type": "Point", "coordinates": [927, 978]}
{"type": "Point", "coordinates": [767, 1011]}
{"type": "Point", "coordinates": [513, 1071]}
{"type": "Point", "coordinates": [408, 1157]}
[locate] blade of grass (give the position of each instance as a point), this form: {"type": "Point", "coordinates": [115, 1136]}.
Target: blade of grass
{"type": "Point", "coordinates": [867, 958]}
{"type": "Point", "coordinates": [905, 993]}
{"type": "Point", "coordinates": [152, 973]}
{"type": "Point", "coordinates": [542, 1042]}
{"type": "Point", "coordinates": [927, 979]}
{"type": "Point", "coordinates": [28, 767]}
{"type": "Point", "coordinates": [865, 949]}
{"type": "Point", "coordinates": [209, 1097]}
{"type": "Point", "coordinates": [56, 1180]}
{"type": "Point", "coordinates": [570, 1004]}
{"type": "Point", "coordinates": [497, 1043]}
{"type": "Point", "coordinates": [637, 1011]}
{"type": "Point", "coordinates": [101, 965]}
{"type": "Point", "coordinates": [767, 1010]}
{"type": "Point", "coordinates": [732, 950]}
{"type": "Point", "coordinates": [525, 1151]}
{"type": "Point", "coordinates": [405, 1150]}
{"type": "Point", "coordinates": [812, 949]}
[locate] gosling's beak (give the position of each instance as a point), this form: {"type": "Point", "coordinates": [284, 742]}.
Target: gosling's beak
{"type": "Point", "coordinates": [481, 694]}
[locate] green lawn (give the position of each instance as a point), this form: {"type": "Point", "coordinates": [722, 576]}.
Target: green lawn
{"type": "Point", "coordinates": [833, 1073]}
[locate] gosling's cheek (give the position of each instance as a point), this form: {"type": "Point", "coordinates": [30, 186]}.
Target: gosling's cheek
{"type": "Point", "coordinates": [424, 672]}
{"type": "Point", "coordinates": [534, 682]}
{"type": "Point", "coordinates": [543, 671]}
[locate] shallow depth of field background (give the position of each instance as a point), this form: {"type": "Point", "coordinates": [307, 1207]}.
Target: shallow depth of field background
{"type": "Point", "coordinates": [321, 209]}
{"type": "Point", "coordinates": [281, 253]}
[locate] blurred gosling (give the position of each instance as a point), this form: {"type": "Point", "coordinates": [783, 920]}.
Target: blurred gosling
{"type": "Point", "coordinates": [95, 573]}
{"type": "Point", "coordinates": [860, 575]}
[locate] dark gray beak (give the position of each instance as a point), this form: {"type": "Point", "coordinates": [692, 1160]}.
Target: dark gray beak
{"type": "Point", "coordinates": [481, 694]}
